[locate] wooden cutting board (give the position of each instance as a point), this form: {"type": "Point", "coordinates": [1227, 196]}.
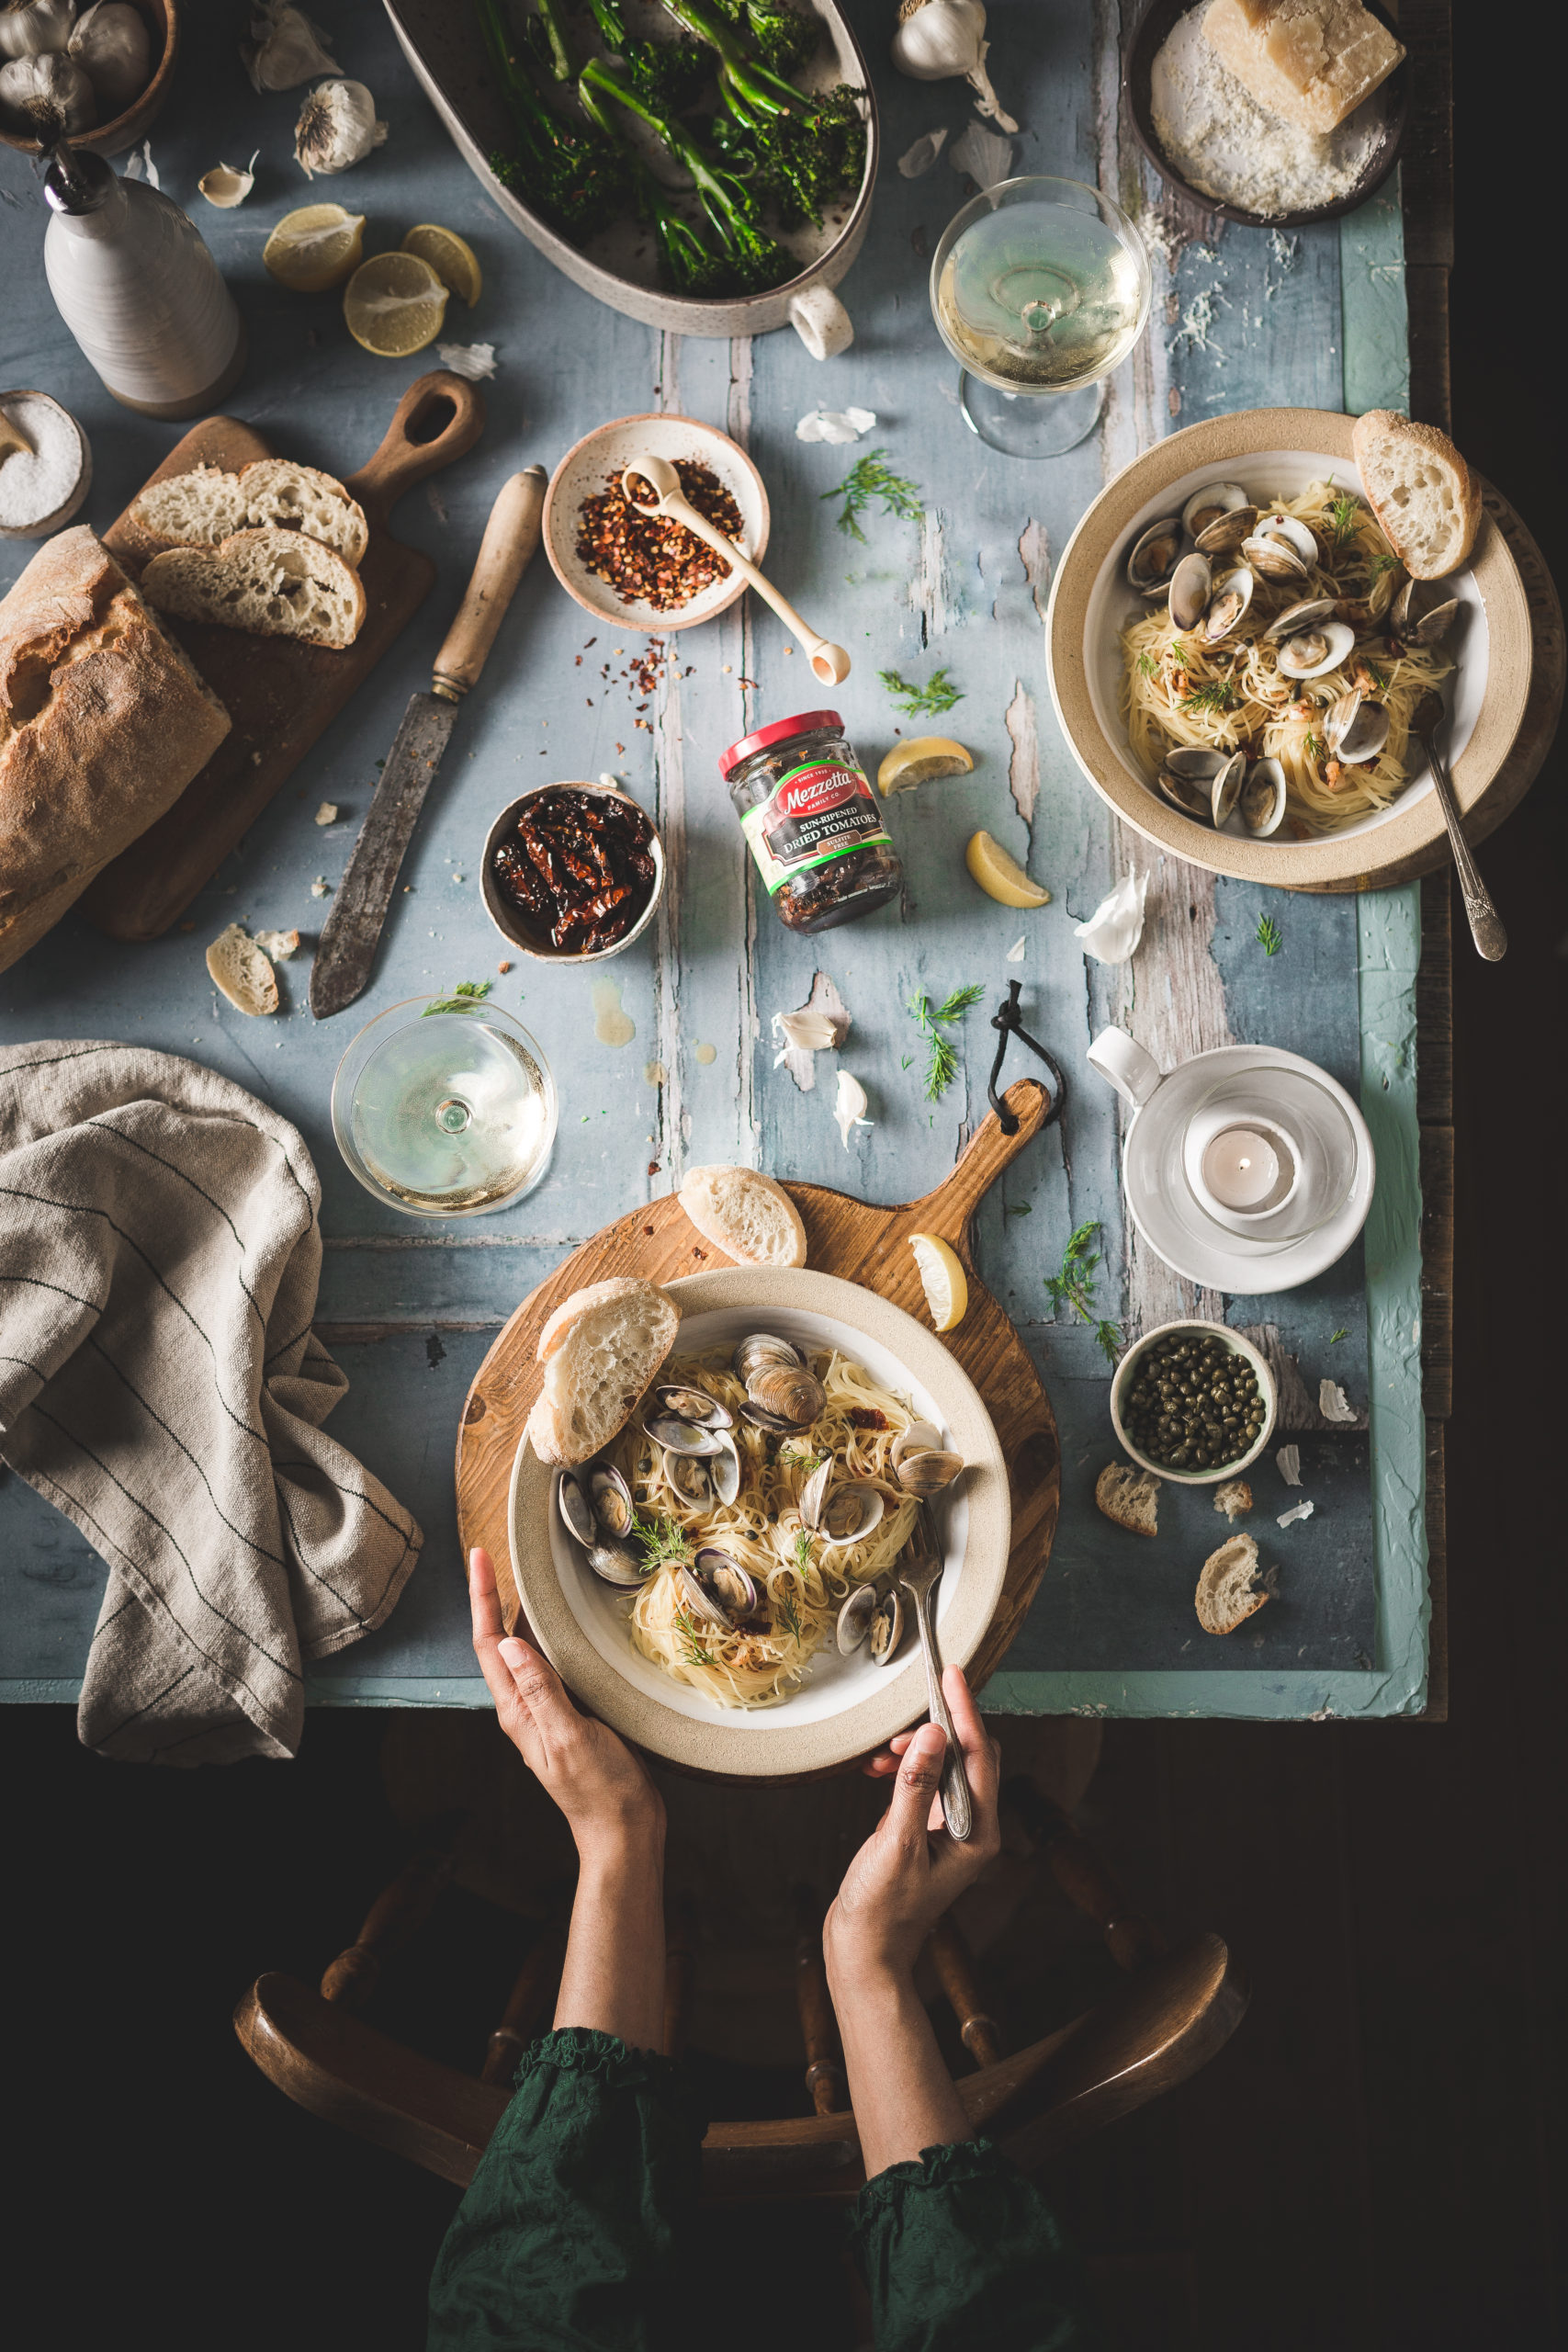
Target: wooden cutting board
{"type": "Point", "coordinates": [845, 1236]}
{"type": "Point", "coordinates": [280, 695]}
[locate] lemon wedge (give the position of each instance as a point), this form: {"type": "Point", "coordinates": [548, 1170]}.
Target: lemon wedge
{"type": "Point", "coordinates": [452, 258]}
{"type": "Point", "coordinates": [919, 759]}
{"type": "Point", "coordinates": [314, 248]}
{"type": "Point", "coordinates": [942, 1276]}
{"type": "Point", "coordinates": [1000, 875]}
{"type": "Point", "coordinates": [394, 303]}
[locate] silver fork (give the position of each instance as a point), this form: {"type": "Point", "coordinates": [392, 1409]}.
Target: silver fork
{"type": "Point", "coordinates": [919, 1570]}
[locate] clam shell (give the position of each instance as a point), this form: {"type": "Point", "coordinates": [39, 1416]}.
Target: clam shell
{"type": "Point", "coordinates": [690, 1476]}
{"type": "Point", "coordinates": [1224, 535]}
{"type": "Point", "coordinates": [764, 1420]}
{"type": "Point", "coordinates": [717, 1588]}
{"type": "Point", "coordinates": [1262, 802]}
{"type": "Point", "coordinates": [1309, 651]}
{"type": "Point", "coordinates": [788, 1390]}
{"type": "Point", "coordinates": [1209, 505]}
{"type": "Point", "coordinates": [576, 1510]}
{"type": "Point", "coordinates": [693, 1404]}
{"type": "Point", "coordinates": [1274, 558]}
{"type": "Point", "coordinates": [1298, 617]}
{"type": "Point", "coordinates": [1433, 624]}
{"type": "Point", "coordinates": [886, 1629]}
{"type": "Point", "coordinates": [724, 1470]}
{"type": "Point", "coordinates": [1195, 761]}
{"type": "Point", "coordinates": [1153, 556]}
{"type": "Point", "coordinates": [1190, 584]}
{"type": "Point", "coordinates": [929, 1473]}
{"type": "Point", "coordinates": [614, 1565]}
{"type": "Point", "coordinates": [1227, 607]}
{"type": "Point", "coordinates": [921, 1437]}
{"type": "Point", "coordinates": [854, 1618]}
{"type": "Point", "coordinates": [1225, 790]}
{"type": "Point", "coordinates": [814, 1494]}
{"type": "Point", "coordinates": [612, 1501]}
{"type": "Point", "coordinates": [680, 1437]}
{"type": "Point", "coordinates": [1182, 793]}
{"type": "Point", "coordinates": [1297, 534]}
{"type": "Point", "coordinates": [850, 1513]}
{"type": "Point", "coordinates": [759, 1348]}
{"type": "Point", "coordinates": [1356, 730]}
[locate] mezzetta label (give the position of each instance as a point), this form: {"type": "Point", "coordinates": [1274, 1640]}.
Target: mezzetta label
{"type": "Point", "coordinates": [814, 813]}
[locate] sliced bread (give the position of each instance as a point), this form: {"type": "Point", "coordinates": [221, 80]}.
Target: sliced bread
{"type": "Point", "coordinates": [1234, 1498]}
{"type": "Point", "coordinates": [746, 1214]}
{"type": "Point", "coordinates": [1128, 1498]}
{"type": "Point", "coordinates": [240, 966]}
{"type": "Point", "coordinates": [1423, 495]}
{"type": "Point", "coordinates": [599, 1350]}
{"type": "Point", "coordinates": [1229, 1587]}
{"type": "Point", "coordinates": [278, 582]}
{"type": "Point", "coordinates": [199, 508]}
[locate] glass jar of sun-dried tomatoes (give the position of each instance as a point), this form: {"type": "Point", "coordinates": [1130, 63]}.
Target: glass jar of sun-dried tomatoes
{"type": "Point", "coordinates": [812, 821]}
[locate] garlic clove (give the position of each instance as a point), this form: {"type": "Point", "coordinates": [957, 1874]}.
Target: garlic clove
{"type": "Point", "coordinates": [850, 1107]}
{"type": "Point", "coordinates": [109, 43]}
{"type": "Point", "coordinates": [337, 127]}
{"type": "Point", "coordinates": [35, 28]}
{"type": "Point", "coordinates": [1113, 931]}
{"type": "Point", "coordinates": [226, 187]}
{"type": "Point", "coordinates": [285, 48]}
{"type": "Point", "coordinates": [474, 360]}
{"type": "Point", "coordinates": [942, 40]}
{"type": "Point", "coordinates": [917, 160]}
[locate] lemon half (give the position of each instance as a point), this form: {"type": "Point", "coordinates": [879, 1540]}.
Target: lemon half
{"type": "Point", "coordinates": [314, 248]}
{"type": "Point", "coordinates": [394, 304]}
{"type": "Point", "coordinates": [919, 759]}
{"type": "Point", "coordinates": [943, 1278]}
{"type": "Point", "coordinates": [452, 258]}
{"type": "Point", "coordinates": [999, 874]}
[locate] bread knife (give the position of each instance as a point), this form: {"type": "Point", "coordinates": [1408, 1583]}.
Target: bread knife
{"type": "Point", "coordinates": [345, 953]}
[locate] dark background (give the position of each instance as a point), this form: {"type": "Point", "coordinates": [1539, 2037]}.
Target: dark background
{"type": "Point", "coordinates": [1378, 2156]}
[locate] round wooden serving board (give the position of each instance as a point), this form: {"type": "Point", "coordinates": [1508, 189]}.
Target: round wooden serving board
{"type": "Point", "coordinates": [844, 1236]}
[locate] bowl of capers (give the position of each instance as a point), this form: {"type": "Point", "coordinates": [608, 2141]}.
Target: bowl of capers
{"type": "Point", "coordinates": [1193, 1402]}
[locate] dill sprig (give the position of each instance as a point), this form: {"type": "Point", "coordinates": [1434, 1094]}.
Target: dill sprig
{"type": "Point", "coordinates": [1149, 666]}
{"type": "Point", "coordinates": [941, 1064]}
{"type": "Point", "coordinates": [661, 1540]}
{"type": "Point", "coordinates": [1343, 516]}
{"type": "Point", "coordinates": [1384, 562]}
{"type": "Point", "coordinates": [1074, 1286]}
{"type": "Point", "coordinates": [789, 1613]}
{"type": "Point", "coordinates": [466, 993]}
{"type": "Point", "coordinates": [939, 693]}
{"type": "Point", "coordinates": [1335, 1337]}
{"type": "Point", "coordinates": [1269, 935]}
{"type": "Point", "coordinates": [1312, 746]}
{"type": "Point", "coordinates": [1109, 1334]}
{"type": "Point", "coordinates": [696, 1653]}
{"type": "Point", "coordinates": [1214, 693]}
{"type": "Point", "coordinates": [870, 477]}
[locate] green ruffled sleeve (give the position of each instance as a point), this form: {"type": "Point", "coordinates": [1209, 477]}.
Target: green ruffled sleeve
{"type": "Point", "coordinates": [961, 2251]}
{"type": "Point", "coordinates": [568, 2235]}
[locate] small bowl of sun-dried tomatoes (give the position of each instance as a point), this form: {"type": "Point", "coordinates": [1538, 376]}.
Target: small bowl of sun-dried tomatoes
{"type": "Point", "coordinates": [572, 872]}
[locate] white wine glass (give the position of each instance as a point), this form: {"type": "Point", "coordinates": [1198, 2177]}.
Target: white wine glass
{"type": "Point", "coordinates": [445, 1106]}
{"type": "Point", "coordinates": [1039, 288]}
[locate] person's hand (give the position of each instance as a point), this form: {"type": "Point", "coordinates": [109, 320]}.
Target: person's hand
{"type": "Point", "coordinates": [911, 1868]}
{"type": "Point", "coordinates": [603, 1789]}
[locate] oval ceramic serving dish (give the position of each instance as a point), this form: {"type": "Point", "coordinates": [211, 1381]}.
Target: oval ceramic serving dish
{"type": "Point", "coordinates": [1392, 100]}
{"type": "Point", "coordinates": [443, 43]}
{"type": "Point", "coordinates": [846, 1706]}
{"type": "Point", "coordinates": [1275, 450]}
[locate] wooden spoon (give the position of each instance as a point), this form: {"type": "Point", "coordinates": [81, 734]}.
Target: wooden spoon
{"type": "Point", "coordinates": [12, 440]}
{"type": "Point", "coordinates": [645, 471]}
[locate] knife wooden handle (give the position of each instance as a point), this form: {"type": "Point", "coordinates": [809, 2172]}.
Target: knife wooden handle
{"type": "Point", "coordinates": [511, 536]}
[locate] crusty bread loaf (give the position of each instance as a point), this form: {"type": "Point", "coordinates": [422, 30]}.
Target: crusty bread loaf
{"type": "Point", "coordinates": [746, 1214]}
{"type": "Point", "coordinates": [240, 966]}
{"type": "Point", "coordinates": [279, 582]}
{"type": "Point", "coordinates": [1426, 500]}
{"type": "Point", "coordinates": [198, 508]}
{"type": "Point", "coordinates": [1128, 1498]}
{"type": "Point", "coordinates": [1311, 62]}
{"type": "Point", "coordinates": [599, 1350]}
{"type": "Point", "coordinates": [1234, 1498]}
{"type": "Point", "coordinates": [1229, 1587]}
{"type": "Point", "coordinates": [103, 720]}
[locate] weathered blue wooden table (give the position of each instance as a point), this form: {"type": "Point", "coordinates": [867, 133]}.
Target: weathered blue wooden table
{"type": "Point", "coordinates": [664, 1058]}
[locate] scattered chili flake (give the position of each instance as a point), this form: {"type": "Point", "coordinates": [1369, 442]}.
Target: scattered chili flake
{"type": "Point", "coordinates": [649, 559]}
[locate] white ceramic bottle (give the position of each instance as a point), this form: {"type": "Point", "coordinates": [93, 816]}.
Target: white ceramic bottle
{"type": "Point", "coordinates": [138, 289]}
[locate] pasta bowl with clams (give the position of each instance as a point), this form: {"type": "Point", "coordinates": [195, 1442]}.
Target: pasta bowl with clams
{"type": "Point", "coordinates": [721, 1584]}
{"type": "Point", "coordinates": [1236, 653]}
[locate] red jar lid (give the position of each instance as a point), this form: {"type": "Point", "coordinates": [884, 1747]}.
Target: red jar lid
{"type": "Point", "coordinates": [807, 722]}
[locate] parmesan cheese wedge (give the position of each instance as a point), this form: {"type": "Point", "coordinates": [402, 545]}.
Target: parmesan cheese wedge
{"type": "Point", "coordinates": [1311, 62]}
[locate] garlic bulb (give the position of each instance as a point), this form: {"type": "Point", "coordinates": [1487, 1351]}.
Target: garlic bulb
{"type": "Point", "coordinates": [1113, 931]}
{"type": "Point", "coordinates": [337, 127]}
{"type": "Point", "coordinates": [226, 187]}
{"type": "Point", "coordinates": [285, 48]}
{"type": "Point", "coordinates": [939, 39]}
{"type": "Point", "coordinates": [35, 28]}
{"type": "Point", "coordinates": [110, 45]}
{"type": "Point", "coordinates": [46, 97]}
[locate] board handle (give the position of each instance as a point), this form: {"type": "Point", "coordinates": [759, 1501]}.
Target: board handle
{"type": "Point", "coordinates": [948, 1210]}
{"type": "Point", "coordinates": [411, 450]}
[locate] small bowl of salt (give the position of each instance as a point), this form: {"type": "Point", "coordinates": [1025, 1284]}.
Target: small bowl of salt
{"type": "Point", "coordinates": [46, 465]}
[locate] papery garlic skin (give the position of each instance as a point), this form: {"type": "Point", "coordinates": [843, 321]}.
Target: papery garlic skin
{"type": "Point", "coordinates": [110, 45]}
{"type": "Point", "coordinates": [982, 157]}
{"type": "Point", "coordinates": [337, 127]}
{"type": "Point", "coordinates": [1113, 931]}
{"type": "Point", "coordinates": [285, 49]}
{"type": "Point", "coordinates": [937, 40]}
{"type": "Point", "coordinates": [35, 28]}
{"type": "Point", "coordinates": [42, 95]}
{"type": "Point", "coordinates": [474, 360]}
{"type": "Point", "coordinates": [918, 159]}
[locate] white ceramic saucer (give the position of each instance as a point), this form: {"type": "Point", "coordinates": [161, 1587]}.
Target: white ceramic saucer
{"type": "Point", "coordinates": [1161, 1203]}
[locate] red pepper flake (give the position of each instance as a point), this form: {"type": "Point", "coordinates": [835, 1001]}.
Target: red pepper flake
{"type": "Point", "coordinates": [649, 559]}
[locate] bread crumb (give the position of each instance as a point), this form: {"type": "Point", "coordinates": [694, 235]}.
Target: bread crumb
{"type": "Point", "coordinates": [505, 965]}
{"type": "Point", "coordinates": [321, 888]}
{"type": "Point", "coordinates": [1234, 1498]}
{"type": "Point", "coordinates": [327, 813]}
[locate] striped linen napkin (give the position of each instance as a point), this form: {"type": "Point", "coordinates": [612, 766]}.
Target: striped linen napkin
{"type": "Point", "coordinates": [161, 1384]}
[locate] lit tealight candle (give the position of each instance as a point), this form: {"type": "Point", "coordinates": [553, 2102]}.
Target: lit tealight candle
{"type": "Point", "coordinates": [1241, 1168]}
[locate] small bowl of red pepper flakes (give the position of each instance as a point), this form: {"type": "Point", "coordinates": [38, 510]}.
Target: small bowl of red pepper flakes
{"type": "Point", "coordinates": [572, 872]}
{"type": "Point", "coordinates": [648, 572]}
